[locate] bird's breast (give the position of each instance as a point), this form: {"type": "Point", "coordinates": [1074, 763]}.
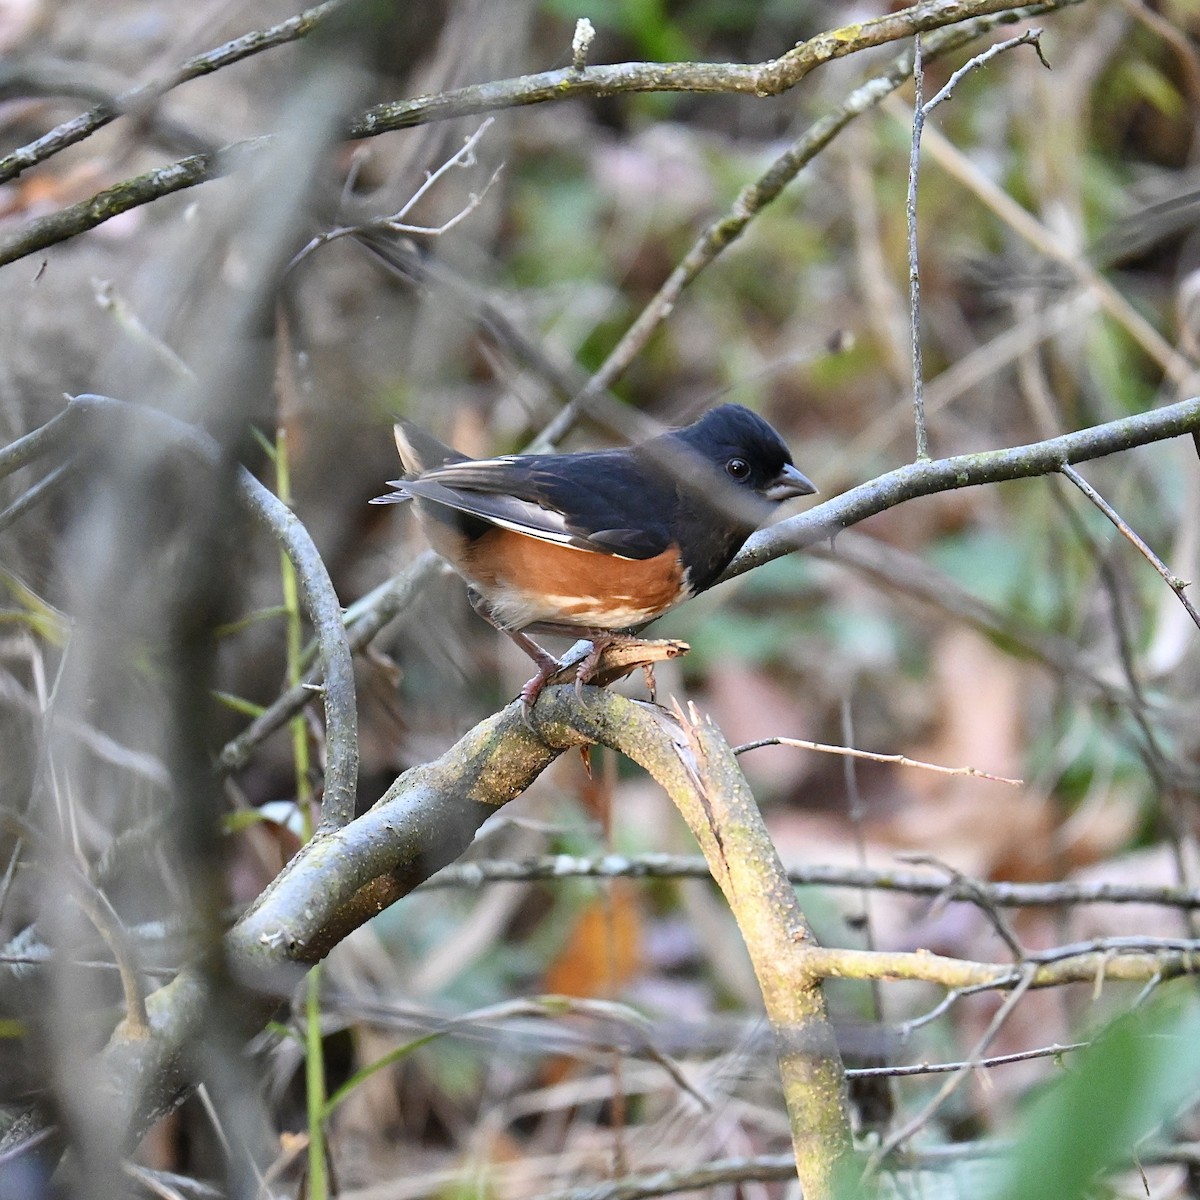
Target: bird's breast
{"type": "Point", "coordinates": [526, 581]}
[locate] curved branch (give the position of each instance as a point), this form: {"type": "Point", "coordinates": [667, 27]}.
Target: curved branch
{"type": "Point", "coordinates": [325, 612]}
{"type": "Point", "coordinates": [343, 878]}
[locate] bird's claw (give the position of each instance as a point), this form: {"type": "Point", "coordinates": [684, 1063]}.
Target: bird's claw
{"type": "Point", "coordinates": [533, 689]}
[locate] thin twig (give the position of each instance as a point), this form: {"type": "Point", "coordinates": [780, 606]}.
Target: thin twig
{"type": "Point", "coordinates": [921, 111]}
{"type": "Point", "coordinates": [1031, 37]}
{"type": "Point", "coordinates": [900, 760]}
{"type": "Point", "coordinates": [681, 866]}
{"type": "Point", "coordinates": [959, 881]}
{"type": "Point", "coordinates": [1173, 581]}
{"type": "Point", "coordinates": [953, 995]}
{"type": "Point", "coordinates": [395, 223]}
{"type": "Point", "coordinates": [824, 521]}
{"type": "Point", "coordinates": [927, 1111]}
{"type": "Point", "coordinates": [45, 487]}
{"type": "Point", "coordinates": [914, 274]}
{"type": "Point", "coordinates": [998, 1060]}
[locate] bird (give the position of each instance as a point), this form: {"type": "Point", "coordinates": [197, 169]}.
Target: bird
{"type": "Point", "coordinates": [595, 544]}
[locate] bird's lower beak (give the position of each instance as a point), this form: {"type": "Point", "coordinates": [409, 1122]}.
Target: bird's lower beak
{"type": "Point", "coordinates": [788, 483]}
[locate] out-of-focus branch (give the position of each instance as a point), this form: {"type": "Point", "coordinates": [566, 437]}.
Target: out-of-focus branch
{"type": "Point", "coordinates": [767, 1168]}
{"type": "Point", "coordinates": [84, 125]}
{"type": "Point", "coordinates": [1172, 580]}
{"type": "Point", "coordinates": [75, 219]}
{"type": "Point", "coordinates": [679, 866]}
{"type": "Point", "coordinates": [387, 603]}
{"type": "Point", "coordinates": [320, 600]}
{"type": "Point", "coordinates": [761, 79]}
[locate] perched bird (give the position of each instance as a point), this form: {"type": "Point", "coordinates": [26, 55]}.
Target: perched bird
{"type": "Point", "coordinates": [596, 544]}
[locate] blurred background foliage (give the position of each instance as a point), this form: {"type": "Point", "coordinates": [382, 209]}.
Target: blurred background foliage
{"type": "Point", "coordinates": [806, 320]}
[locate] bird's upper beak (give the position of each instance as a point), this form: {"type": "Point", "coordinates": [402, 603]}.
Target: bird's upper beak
{"type": "Point", "coordinates": [788, 483]}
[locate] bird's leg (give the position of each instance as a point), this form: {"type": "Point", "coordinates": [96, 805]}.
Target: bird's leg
{"type": "Point", "coordinates": [548, 666]}
{"type": "Point", "coordinates": [546, 662]}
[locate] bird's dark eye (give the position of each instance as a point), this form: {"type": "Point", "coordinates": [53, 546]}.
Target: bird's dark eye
{"type": "Point", "coordinates": [737, 468]}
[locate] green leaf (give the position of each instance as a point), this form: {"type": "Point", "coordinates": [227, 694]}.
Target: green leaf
{"type": "Point", "coordinates": [366, 1072]}
{"type": "Point", "coordinates": [247, 708]}
{"type": "Point", "coordinates": [1135, 1077]}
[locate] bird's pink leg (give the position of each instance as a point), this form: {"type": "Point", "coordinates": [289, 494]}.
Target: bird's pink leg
{"type": "Point", "coordinates": [546, 662]}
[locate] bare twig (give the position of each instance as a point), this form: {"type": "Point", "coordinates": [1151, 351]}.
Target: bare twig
{"type": "Point", "coordinates": [957, 881]}
{"type": "Point", "coordinates": [927, 1111]}
{"type": "Point", "coordinates": [998, 1060]}
{"type": "Point", "coordinates": [33, 496]}
{"type": "Point", "coordinates": [729, 1172]}
{"type": "Point", "coordinates": [1173, 581]}
{"type": "Point", "coordinates": [75, 219]}
{"type": "Point", "coordinates": [674, 866]}
{"type": "Point", "coordinates": [770, 78]}
{"type": "Point", "coordinates": [900, 760]}
{"type": "Point", "coordinates": [463, 157]}
{"type": "Point", "coordinates": [914, 274]}
{"type": "Point", "coordinates": [921, 111]}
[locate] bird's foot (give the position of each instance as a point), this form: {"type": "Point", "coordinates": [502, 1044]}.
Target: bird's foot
{"type": "Point", "coordinates": [589, 665]}
{"type": "Point", "coordinates": [610, 656]}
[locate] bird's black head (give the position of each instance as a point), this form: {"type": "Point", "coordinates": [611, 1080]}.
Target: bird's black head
{"type": "Point", "coordinates": [747, 451]}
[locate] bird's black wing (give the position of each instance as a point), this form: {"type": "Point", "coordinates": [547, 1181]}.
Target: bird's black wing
{"type": "Point", "coordinates": [606, 501]}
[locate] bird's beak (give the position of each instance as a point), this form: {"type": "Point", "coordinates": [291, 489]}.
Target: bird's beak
{"type": "Point", "coordinates": [788, 483]}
